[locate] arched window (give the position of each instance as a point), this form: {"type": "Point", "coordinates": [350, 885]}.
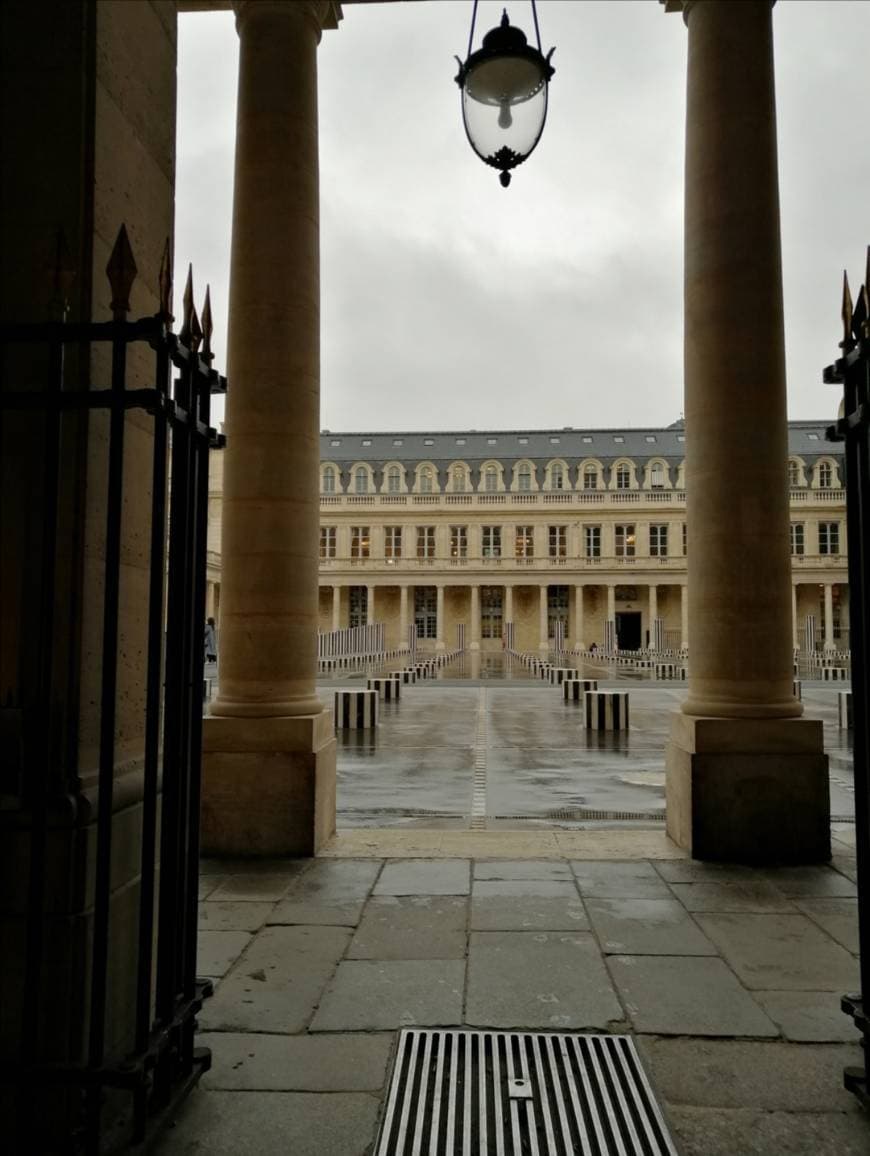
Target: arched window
{"type": "Point", "coordinates": [361, 480]}
{"type": "Point", "coordinates": [425, 480]}
{"type": "Point", "coordinates": [794, 473]}
{"type": "Point", "coordinates": [394, 480]}
{"type": "Point", "coordinates": [328, 480]}
{"type": "Point", "coordinates": [490, 479]}
{"type": "Point", "coordinates": [557, 477]}
{"type": "Point", "coordinates": [657, 476]}
{"type": "Point", "coordinates": [524, 478]}
{"type": "Point", "coordinates": [623, 477]}
{"type": "Point", "coordinates": [826, 476]}
{"type": "Point", "coordinates": [590, 478]}
{"type": "Point", "coordinates": [458, 482]}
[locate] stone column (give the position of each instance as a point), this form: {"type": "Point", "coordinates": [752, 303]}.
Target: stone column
{"type": "Point", "coordinates": [543, 625]}
{"type": "Point", "coordinates": [439, 618]}
{"type": "Point", "coordinates": [653, 610]}
{"type": "Point", "coordinates": [611, 602]}
{"type": "Point", "coordinates": [403, 615]}
{"type": "Point", "coordinates": [684, 617]}
{"type": "Point", "coordinates": [829, 617]}
{"type": "Point", "coordinates": [370, 605]}
{"type": "Point", "coordinates": [269, 765]}
{"type": "Point", "coordinates": [579, 626]}
{"type": "Point", "coordinates": [508, 604]}
{"type": "Point", "coordinates": [336, 608]}
{"type": "Point", "coordinates": [475, 618]}
{"type": "Point", "coordinates": [794, 622]}
{"type": "Point", "coordinates": [738, 758]}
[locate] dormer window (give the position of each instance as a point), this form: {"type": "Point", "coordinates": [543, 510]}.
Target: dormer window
{"type": "Point", "coordinates": [524, 478]}
{"type": "Point", "coordinates": [425, 480]}
{"type": "Point", "coordinates": [361, 480]}
{"type": "Point", "coordinates": [557, 477]}
{"type": "Point", "coordinates": [623, 477]}
{"type": "Point", "coordinates": [394, 480]}
{"type": "Point", "coordinates": [328, 480]}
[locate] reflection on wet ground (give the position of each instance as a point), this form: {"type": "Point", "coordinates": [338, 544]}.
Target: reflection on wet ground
{"type": "Point", "coordinates": [535, 764]}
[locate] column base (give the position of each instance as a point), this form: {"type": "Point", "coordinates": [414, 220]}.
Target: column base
{"type": "Point", "coordinates": [268, 785]}
{"type": "Point", "coordinates": [748, 790]}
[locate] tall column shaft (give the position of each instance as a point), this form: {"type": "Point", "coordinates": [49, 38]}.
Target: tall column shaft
{"type": "Point", "coordinates": [475, 617]}
{"type": "Point", "coordinates": [403, 615]}
{"type": "Point", "coordinates": [653, 610]}
{"type": "Point", "coordinates": [829, 616]}
{"type": "Point", "coordinates": [684, 618]}
{"type": "Point", "coordinates": [611, 602]}
{"type": "Point", "coordinates": [370, 605]}
{"type": "Point", "coordinates": [736, 424]}
{"type": "Point", "coordinates": [579, 626]}
{"type": "Point", "coordinates": [794, 622]}
{"type": "Point", "coordinates": [271, 501]}
{"type": "Point", "coordinates": [439, 618]}
{"type": "Point", "coordinates": [543, 626]}
{"type": "Point", "coordinates": [336, 608]}
{"type": "Point", "coordinates": [508, 603]}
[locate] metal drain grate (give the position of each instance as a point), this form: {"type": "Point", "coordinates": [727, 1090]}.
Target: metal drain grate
{"type": "Point", "coordinates": [520, 1094]}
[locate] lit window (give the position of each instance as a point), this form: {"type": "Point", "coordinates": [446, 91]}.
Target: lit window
{"type": "Point", "coordinates": [392, 541]}
{"type": "Point", "coordinates": [328, 480]}
{"type": "Point", "coordinates": [458, 541]}
{"type": "Point", "coordinates": [525, 542]}
{"type": "Point", "coordinates": [327, 541]}
{"type": "Point", "coordinates": [425, 541]}
{"type": "Point", "coordinates": [625, 541]}
{"type": "Point", "coordinates": [796, 533]}
{"type": "Point", "coordinates": [658, 541]}
{"type": "Point", "coordinates": [361, 480]}
{"type": "Point", "coordinates": [592, 541]}
{"type": "Point", "coordinates": [558, 539]}
{"type": "Point", "coordinates": [491, 541]}
{"type": "Point", "coordinates": [359, 541]}
{"type": "Point", "coordinates": [829, 537]}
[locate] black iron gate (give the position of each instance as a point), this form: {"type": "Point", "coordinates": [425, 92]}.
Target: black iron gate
{"type": "Point", "coordinates": [852, 370]}
{"type": "Point", "coordinates": [109, 1095]}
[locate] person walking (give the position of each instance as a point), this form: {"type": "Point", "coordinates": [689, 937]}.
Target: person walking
{"type": "Point", "coordinates": [210, 641]}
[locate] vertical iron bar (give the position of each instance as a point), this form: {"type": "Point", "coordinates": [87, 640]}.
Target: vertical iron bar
{"type": "Point", "coordinates": [152, 719]}
{"type": "Point", "coordinates": [108, 692]}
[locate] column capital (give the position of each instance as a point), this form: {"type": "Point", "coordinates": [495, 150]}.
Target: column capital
{"type": "Point", "coordinates": [319, 14]}
{"type": "Point", "coordinates": [686, 6]}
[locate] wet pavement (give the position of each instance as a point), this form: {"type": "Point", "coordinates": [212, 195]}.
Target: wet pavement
{"type": "Point", "coordinates": [483, 740]}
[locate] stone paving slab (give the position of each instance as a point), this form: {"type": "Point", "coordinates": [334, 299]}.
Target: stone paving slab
{"type": "Point", "coordinates": [696, 871]}
{"type": "Point", "coordinates": [522, 869]}
{"type": "Point", "coordinates": [424, 877]}
{"type": "Point", "coordinates": [646, 927]}
{"type": "Point", "coordinates": [686, 995]}
{"type": "Point", "coordinates": [552, 980]}
{"type": "Point", "coordinates": [329, 893]}
{"type": "Point", "coordinates": [219, 915]}
{"type": "Point", "coordinates": [278, 984]}
{"type": "Point", "coordinates": [809, 881]}
{"type": "Point", "coordinates": [781, 952]}
{"type": "Point", "coordinates": [355, 1062]}
{"type": "Point", "coordinates": [217, 951]}
{"type": "Point", "coordinates": [212, 1123]}
{"type": "Point", "coordinates": [368, 995]}
{"type": "Point", "coordinates": [808, 1016]}
{"type": "Point", "coordinates": [412, 927]}
{"type": "Point", "coordinates": [768, 1075]}
{"type": "Point", "coordinates": [619, 880]}
{"type": "Point", "coordinates": [253, 888]}
{"type": "Point", "coordinates": [743, 1132]}
{"type": "Point", "coordinates": [526, 905]}
{"type": "Point", "coordinates": [207, 884]}
{"type": "Point", "coordinates": [838, 917]}
{"type": "Point", "coordinates": [752, 895]}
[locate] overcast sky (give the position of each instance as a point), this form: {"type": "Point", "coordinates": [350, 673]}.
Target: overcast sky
{"type": "Point", "coordinates": [449, 302]}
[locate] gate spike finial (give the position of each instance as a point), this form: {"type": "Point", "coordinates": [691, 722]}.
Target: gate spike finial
{"type": "Point", "coordinates": [121, 271]}
{"type": "Point", "coordinates": [164, 283]}
{"type": "Point", "coordinates": [188, 308]}
{"type": "Point", "coordinates": [62, 273]}
{"type": "Point", "coordinates": [846, 312]}
{"type": "Point", "coordinates": [195, 338]}
{"type": "Point", "coordinates": [860, 314]}
{"type": "Point", "coordinates": [207, 325]}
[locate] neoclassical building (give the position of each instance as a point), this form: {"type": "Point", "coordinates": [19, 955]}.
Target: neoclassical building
{"type": "Point", "coordinates": [478, 529]}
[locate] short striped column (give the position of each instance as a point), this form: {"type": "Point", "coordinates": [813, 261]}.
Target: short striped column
{"type": "Point", "coordinates": [573, 689]}
{"type": "Point", "coordinates": [669, 670]}
{"type": "Point", "coordinates": [606, 710]}
{"type": "Point", "coordinates": [796, 689]}
{"type": "Point", "coordinates": [356, 710]}
{"type": "Point", "coordinates": [387, 688]}
{"type": "Point", "coordinates": [406, 676]}
{"type": "Point", "coordinates": [558, 674]}
{"type": "Point", "coordinates": [834, 674]}
{"type": "Point", "coordinates": [844, 703]}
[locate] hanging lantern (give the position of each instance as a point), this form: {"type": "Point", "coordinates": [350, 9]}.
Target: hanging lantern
{"type": "Point", "coordinates": [504, 94]}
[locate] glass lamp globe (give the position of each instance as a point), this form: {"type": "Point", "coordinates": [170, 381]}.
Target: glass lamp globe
{"type": "Point", "coordinates": [504, 97]}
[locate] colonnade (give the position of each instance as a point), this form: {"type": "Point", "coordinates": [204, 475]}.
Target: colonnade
{"type": "Point", "coordinates": [746, 776]}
